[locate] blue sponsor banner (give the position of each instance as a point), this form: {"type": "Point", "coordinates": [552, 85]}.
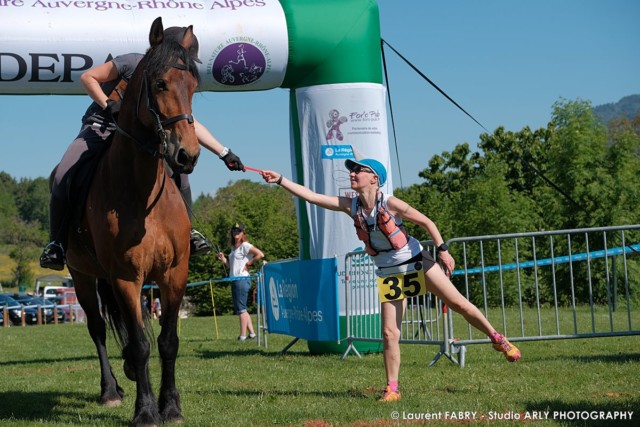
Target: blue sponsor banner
{"type": "Point", "coordinates": [339, 152]}
{"type": "Point", "coordinates": [302, 298]}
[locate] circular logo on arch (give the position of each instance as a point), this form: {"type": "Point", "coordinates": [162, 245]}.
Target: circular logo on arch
{"type": "Point", "coordinates": [239, 64]}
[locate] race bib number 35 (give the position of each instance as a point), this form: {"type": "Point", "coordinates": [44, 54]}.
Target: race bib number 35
{"type": "Point", "coordinates": [401, 285]}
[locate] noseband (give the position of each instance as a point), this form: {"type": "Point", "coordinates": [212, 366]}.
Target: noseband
{"type": "Point", "coordinates": [159, 124]}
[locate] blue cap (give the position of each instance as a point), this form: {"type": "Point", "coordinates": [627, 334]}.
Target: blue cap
{"type": "Point", "coordinates": [378, 168]}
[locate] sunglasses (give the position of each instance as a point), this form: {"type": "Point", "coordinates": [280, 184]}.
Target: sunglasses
{"type": "Point", "coordinates": [358, 169]}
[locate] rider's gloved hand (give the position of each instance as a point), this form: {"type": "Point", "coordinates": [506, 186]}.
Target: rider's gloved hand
{"type": "Point", "coordinates": [232, 161]}
{"type": "Point", "coordinates": [113, 107]}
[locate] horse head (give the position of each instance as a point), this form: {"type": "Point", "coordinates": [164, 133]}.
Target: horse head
{"type": "Point", "coordinates": [170, 78]}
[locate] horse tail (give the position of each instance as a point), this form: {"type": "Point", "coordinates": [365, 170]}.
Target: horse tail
{"type": "Point", "coordinates": [114, 317]}
{"type": "Point", "coordinates": [112, 314]}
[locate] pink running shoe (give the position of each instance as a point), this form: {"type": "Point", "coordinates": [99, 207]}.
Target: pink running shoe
{"type": "Point", "coordinates": [390, 395]}
{"type": "Point", "coordinates": [502, 344]}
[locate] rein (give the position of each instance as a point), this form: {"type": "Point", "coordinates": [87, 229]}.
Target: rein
{"type": "Point", "coordinates": [159, 124]}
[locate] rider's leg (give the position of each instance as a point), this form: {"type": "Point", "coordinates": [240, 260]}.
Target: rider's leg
{"type": "Point", "coordinates": [53, 254]}
{"type": "Point", "coordinates": [182, 181]}
{"type": "Point", "coordinates": [199, 244]}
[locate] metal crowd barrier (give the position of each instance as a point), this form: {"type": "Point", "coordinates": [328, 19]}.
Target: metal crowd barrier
{"type": "Point", "coordinates": [550, 285]}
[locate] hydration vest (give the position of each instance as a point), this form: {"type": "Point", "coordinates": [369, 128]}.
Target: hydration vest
{"type": "Point", "coordinates": [393, 231]}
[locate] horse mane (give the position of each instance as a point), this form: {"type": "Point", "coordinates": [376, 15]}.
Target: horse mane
{"type": "Point", "coordinates": [158, 58]}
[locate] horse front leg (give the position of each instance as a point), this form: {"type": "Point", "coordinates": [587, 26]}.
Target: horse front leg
{"type": "Point", "coordinates": [111, 393]}
{"type": "Point", "coordinates": [136, 352]}
{"type": "Point", "coordinates": [168, 344]}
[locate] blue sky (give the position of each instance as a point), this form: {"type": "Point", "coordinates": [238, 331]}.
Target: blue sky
{"type": "Point", "coordinates": [505, 62]}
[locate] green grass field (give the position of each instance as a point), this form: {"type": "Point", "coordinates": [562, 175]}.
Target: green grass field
{"type": "Point", "coordinates": [49, 376]}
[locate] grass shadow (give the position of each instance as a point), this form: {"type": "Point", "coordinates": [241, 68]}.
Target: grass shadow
{"type": "Point", "coordinates": [51, 406]}
{"type": "Point", "coordinates": [295, 393]}
{"type": "Point", "coordinates": [609, 358]}
{"type": "Point", "coordinates": [214, 354]}
{"type": "Point", "coordinates": [48, 360]}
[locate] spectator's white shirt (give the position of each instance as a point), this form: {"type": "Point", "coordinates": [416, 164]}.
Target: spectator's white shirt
{"type": "Point", "coordinates": [238, 258]}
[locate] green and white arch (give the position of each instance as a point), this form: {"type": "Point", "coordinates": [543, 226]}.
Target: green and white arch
{"type": "Point", "coordinates": [327, 52]}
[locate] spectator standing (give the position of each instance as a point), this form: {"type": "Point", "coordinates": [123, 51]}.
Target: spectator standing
{"type": "Point", "coordinates": [145, 303]}
{"type": "Point", "coordinates": [157, 308]}
{"type": "Point", "coordinates": [242, 256]}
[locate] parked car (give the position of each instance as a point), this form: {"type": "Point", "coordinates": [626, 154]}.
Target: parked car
{"type": "Point", "coordinates": [47, 306]}
{"type": "Point", "coordinates": [53, 292]}
{"type": "Point", "coordinates": [16, 310]}
{"type": "Point", "coordinates": [52, 280]}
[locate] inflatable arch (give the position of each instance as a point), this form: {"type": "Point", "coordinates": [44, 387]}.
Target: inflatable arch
{"type": "Point", "coordinates": [327, 52]}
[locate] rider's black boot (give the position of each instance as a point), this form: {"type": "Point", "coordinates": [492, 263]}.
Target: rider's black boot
{"type": "Point", "coordinates": [53, 254]}
{"type": "Point", "coordinates": [198, 243]}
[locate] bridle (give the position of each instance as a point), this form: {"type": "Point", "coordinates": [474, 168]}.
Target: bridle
{"type": "Point", "coordinates": [159, 124]}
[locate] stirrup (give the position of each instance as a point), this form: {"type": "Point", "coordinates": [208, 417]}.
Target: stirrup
{"type": "Point", "coordinates": [199, 244]}
{"type": "Point", "coordinates": [53, 256]}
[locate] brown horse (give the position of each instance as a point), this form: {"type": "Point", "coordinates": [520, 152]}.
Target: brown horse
{"type": "Point", "coordinates": [135, 227]}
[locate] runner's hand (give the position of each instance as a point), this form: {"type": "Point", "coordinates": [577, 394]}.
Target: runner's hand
{"type": "Point", "coordinates": [447, 262]}
{"type": "Point", "coordinates": [270, 177]}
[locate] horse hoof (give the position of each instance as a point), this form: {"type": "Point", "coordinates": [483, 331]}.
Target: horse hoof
{"type": "Point", "coordinates": [112, 403]}
{"type": "Point", "coordinates": [175, 420]}
{"type": "Point", "coordinates": [142, 421]}
{"type": "Point", "coordinates": [111, 400]}
{"type": "Point", "coordinates": [172, 415]}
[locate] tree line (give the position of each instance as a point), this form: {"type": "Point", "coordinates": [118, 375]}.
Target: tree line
{"type": "Point", "coordinates": [576, 172]}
